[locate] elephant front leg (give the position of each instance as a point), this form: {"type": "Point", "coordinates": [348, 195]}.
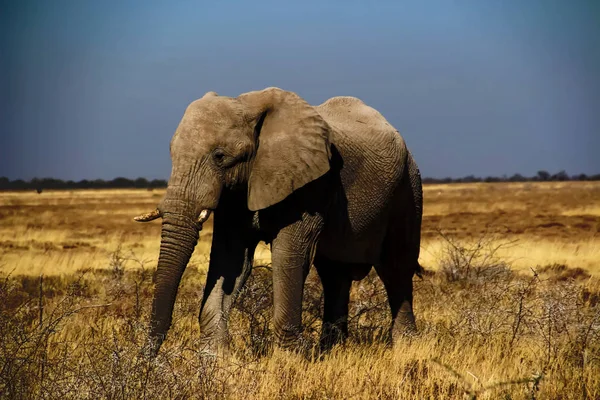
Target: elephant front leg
{"type": "Point", "coordinates": [230, 266]}
{"type": "Point", "coordinates": [292, 252]}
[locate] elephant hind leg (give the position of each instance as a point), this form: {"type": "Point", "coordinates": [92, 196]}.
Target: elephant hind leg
{"type": "Point", "coordinates": [400, 251]}
{"type": "Point", "coordinates": [398, 266]}
{"type": "Point", "coordinates": [399, 288]}
{"type": "Point", "coordinates": [336, 278]}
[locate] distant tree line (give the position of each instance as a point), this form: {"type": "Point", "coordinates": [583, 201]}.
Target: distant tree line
{"type": "Point", "coordinates": [41, 184]}
{"type": "Point", "coordinates": [542, 176]}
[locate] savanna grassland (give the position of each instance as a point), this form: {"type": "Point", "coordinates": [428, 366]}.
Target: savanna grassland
{"type": "Point", "coordinates": [508, 305]}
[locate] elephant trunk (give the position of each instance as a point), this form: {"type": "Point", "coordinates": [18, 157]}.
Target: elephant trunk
{"type": "Point", "coordinates": [178, 239]}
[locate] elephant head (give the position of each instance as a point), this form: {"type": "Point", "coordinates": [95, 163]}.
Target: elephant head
{"type": "Point", "coordinates": [270, 141]}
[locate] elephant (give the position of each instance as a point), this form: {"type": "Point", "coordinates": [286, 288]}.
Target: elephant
{"type": "Point", "coordinates": [332, 185]}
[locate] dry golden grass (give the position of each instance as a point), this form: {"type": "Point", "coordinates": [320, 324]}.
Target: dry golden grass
{"type": "Point", "coordinates": [63, 231]}
{"type": "Point", "coordinates": [550, 222]}
{"type": "Point", "coordinates": [489, 326]}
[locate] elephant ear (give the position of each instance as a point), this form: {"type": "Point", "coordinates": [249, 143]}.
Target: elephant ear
{"type": "Point", "coordinates": [292, 145]}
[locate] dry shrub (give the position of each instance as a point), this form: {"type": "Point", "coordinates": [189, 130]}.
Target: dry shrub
{"type": "Point", "coordinates": [553, 311]}
{"type": "Point", "coordinates": [485, 332]}
{"type": "Point", "coordinates": [561, 272]}
{"type": "Point", "coordinates": [369, 316]}
{"type": "Point", "coordinates": [250, 323]}
{"type": "Point", "coordinates": [475, 262]}
{"type": "Point", "coordinates": [73, 347]}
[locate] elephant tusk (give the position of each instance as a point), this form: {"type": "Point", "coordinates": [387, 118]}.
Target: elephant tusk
{"type": "Point", "coordinates": [151, 216]}
{"type": "Point", "coordinates": [204, 214]}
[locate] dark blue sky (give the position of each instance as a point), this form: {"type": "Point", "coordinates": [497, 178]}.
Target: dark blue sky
{"type": "Point", "coordinates": [95, 89]}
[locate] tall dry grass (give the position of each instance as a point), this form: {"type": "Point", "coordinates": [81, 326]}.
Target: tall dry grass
{"type": "Point", "coordinates": [508, 306]}
{"type": "Point", "coordinates": [485, 332]}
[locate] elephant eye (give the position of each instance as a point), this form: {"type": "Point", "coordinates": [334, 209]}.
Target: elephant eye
{"type": "Point", "coordinates": [218, 156]}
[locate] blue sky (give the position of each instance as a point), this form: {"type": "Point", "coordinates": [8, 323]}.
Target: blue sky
{"type": "Point", "coordinates": [95, 89]}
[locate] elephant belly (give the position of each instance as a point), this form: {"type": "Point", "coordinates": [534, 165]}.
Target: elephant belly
{"type": "Point", "coordinates": [350, 249]}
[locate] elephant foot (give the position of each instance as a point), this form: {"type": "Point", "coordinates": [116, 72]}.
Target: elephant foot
{"type": "Point", "coordinates": [288, 336]}
{"type": "Point", "coordinates": [151, 346]}
{"type": "Point", "coordinates": [215, 346]}
{"type": "Point", "coordinates": [404, 327]}
{"type": "Point", "coordinates": [149, 351]}
{"type": "Point", "coordinates": [294, 342]}
{"type": "Point", "coordinates": [332, 335]}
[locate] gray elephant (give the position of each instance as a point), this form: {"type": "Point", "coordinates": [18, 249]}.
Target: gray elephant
{"type": "Point", "coordinates": [331, 185]}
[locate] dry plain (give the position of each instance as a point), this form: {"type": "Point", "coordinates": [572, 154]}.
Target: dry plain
{"type": "Point", "coordinates": [508, 306]}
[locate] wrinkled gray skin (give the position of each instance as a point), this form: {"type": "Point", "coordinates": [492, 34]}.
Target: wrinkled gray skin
{"type": "Point", "coordinates": [332, 185]}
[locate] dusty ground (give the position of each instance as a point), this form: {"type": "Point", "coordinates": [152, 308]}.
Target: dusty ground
{"type": "Point", "coordinates": [509, 306]}
{"type": "Point", "coordinates": [63, 231]}
{"type": "Point", "coordinates": [554, 222]}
